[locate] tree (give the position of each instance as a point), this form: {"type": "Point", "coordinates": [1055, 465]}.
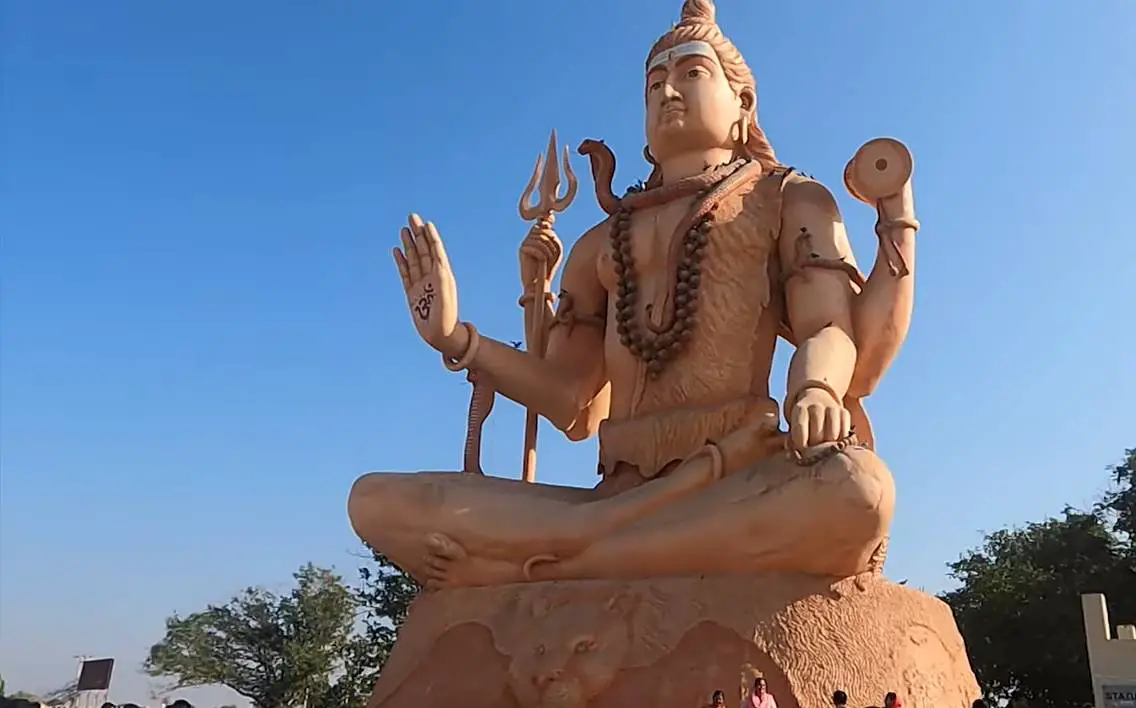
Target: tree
{"type": "Point", "coordinates": [383, 595]}
{"type": "Point", "coordinates": [275, 650]}
{"type": "Point", "coordinates": [1120, 501]}
{"type": "Point", "coordinates": [1018, 605]}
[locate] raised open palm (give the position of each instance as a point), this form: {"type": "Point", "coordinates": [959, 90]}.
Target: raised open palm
{"type": "Point", "coordinates": [431, 292]}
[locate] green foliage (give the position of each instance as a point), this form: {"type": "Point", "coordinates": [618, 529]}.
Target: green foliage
{"type": "Point", "coordinates": [1120, 501]}
{"type": "Point", "coordinates": [1018, 605]}
{"type": "Point", "coordinates": [275, 650]}
{"type": "Point", "coordinates": [383, 595]}
{"type": "Point", "coordinates": [322, 645]}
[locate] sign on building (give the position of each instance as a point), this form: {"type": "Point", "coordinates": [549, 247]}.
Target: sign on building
{"type": "Point", "coordinates": [1119, 696]}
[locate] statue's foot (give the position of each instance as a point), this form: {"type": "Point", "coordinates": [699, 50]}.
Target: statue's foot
{"type": "Point", "coordinates": [449, 565]}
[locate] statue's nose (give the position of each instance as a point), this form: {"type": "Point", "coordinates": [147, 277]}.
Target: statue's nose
{"type": "Point", "coordinates": [544, 678]}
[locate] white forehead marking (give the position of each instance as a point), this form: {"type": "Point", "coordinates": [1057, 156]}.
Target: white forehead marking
{"type": "Point", "coordinates": [683, 50]}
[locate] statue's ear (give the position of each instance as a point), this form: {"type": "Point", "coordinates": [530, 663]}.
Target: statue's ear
{"type": "Point", "coordinates": [748, 98]}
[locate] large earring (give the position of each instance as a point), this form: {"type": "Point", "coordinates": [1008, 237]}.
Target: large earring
{"type": "Point", "coordinates": [648, 156]}
{"type": "Point", "coordinates": [743, 130]}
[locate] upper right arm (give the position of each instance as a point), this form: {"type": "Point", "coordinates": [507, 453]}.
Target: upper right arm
{"type": "Point", "coordinates": [576, 341]}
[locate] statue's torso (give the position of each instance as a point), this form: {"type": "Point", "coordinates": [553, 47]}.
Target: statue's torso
{"type": "Point", "coordinates": [721, 378]}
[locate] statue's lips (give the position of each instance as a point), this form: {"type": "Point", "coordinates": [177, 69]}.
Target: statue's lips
{"type": "Point", "coordinates": [671, 115]}
{"type": "Point", "coordinates": [562, 694]}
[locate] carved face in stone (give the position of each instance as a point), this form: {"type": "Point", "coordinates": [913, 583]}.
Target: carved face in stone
{"type": "Point", "coordinates": [690, 104]}
{"type": "Point", "coordinates": [566, 653]}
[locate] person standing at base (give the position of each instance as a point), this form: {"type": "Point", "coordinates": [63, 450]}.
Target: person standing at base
{"type": "Point", "coordinates": [839, 699]}
{"type": "Point", "coordinates": [761, 697]}
{"type": "Point", "coordinates": [718, 700]}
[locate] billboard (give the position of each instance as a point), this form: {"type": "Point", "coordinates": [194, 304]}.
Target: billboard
{"type": "Point", "coordinates": [95, 675]}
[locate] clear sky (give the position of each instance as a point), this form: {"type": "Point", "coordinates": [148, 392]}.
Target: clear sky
{"type": "Point", "coordinates": [204, 339]}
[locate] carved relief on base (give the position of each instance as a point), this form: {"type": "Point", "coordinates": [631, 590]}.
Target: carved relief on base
{"type": "Point", "coordinates": [672, 641]}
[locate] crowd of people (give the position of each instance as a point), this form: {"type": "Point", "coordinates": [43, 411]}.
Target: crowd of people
{"type": "Point", "coordinates": [760, 697]}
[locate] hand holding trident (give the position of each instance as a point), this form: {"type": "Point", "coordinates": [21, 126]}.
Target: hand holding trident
{"type": "Point", "coordinates": [540, 255]}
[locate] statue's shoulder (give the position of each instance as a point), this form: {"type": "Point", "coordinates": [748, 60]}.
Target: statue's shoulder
{"type": "Point", "coordinates": [787, 180]}
{"type": "Point", "coordinates": [591, 241]}
{"type": "Point", "coordinates": [802, 190]}
{"type": "Point", "coordinates": [798, 180]}
{"type": "Point", "coordinates": [787, 191]}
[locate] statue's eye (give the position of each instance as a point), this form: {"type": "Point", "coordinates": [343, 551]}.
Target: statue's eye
{"type": "Point", "coordinates": [584, 645]}
{"type": "Point", "coordinates": [539, 650]}
{"type": "Point", "coordinates": [696, 73]}
{"type": "Point", "coordinates": [655, 86]}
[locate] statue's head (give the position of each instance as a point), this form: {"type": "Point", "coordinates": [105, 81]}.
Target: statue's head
{"type": "Point", "coordinates": [700, 93]}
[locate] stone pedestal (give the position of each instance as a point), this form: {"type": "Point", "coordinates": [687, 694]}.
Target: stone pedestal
{"type": "Point", "coordinates": [670, 642]}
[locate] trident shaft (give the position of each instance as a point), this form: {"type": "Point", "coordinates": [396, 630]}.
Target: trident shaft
{"type": "Point", "coordinates": [547, 174]}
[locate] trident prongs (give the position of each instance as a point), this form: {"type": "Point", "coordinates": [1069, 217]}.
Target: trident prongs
{"type": "Point", "coordinates": [547, 173]}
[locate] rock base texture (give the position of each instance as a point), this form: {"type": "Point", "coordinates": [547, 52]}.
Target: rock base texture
{"type": "Point", "coordinates": [671, 642]}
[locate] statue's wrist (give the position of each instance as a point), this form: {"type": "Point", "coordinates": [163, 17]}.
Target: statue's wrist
{"type": "Point", "coordinates": [888, 226]}
{"type": "Point", "coordinates": [460, 348]}
{"type": "Point", "coordinates": [806, 386]}
{"type": "Point", "coordinates": [900, 205]}
{"type": "Point", "coordinates": [895, 213]}
{"type": "Point", "coordinates": [537, 293]}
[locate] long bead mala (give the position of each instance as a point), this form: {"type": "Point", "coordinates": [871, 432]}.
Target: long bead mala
{"type": "Point", "coordinates": [657, 347]}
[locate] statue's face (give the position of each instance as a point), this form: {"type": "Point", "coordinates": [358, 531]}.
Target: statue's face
{"type": "Point", "coordinates": [690, 104]}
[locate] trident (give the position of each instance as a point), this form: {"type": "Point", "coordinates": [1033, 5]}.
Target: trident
{"type": "Point", "coordinates": [547, 173]}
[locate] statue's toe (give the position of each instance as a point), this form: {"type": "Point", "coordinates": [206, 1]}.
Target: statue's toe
{"type": "Point", "coordinates": [444, 548]}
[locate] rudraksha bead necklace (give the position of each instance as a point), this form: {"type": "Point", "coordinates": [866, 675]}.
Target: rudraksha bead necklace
{"type": "Point", "coordinates": [657, 347]}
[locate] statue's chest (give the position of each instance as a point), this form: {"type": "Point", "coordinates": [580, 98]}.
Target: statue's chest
{"type": "Point", "coordinates": [649, 238]}
{"type": "Point", "coordinates": [739, 240]}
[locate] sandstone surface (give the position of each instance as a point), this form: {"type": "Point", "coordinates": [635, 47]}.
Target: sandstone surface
{"type": "Point", "coordinates": [670, 642]}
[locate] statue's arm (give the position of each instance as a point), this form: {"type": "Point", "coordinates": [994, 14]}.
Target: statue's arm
{"type": "Point", "coordinates": [568, 385]}
{"type": "Point", "coordinates": [818, 292]}
{"type": "Point", "coordinates": [576, 340]}
{"type": "Point", "coordinates": [882, 315]}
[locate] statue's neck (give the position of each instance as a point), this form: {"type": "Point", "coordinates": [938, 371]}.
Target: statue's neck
{"type": "Point", "coordinates": [689, 164]}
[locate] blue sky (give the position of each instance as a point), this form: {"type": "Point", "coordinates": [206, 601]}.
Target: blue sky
{"type": "Point", "coordinates": [204, 340]}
